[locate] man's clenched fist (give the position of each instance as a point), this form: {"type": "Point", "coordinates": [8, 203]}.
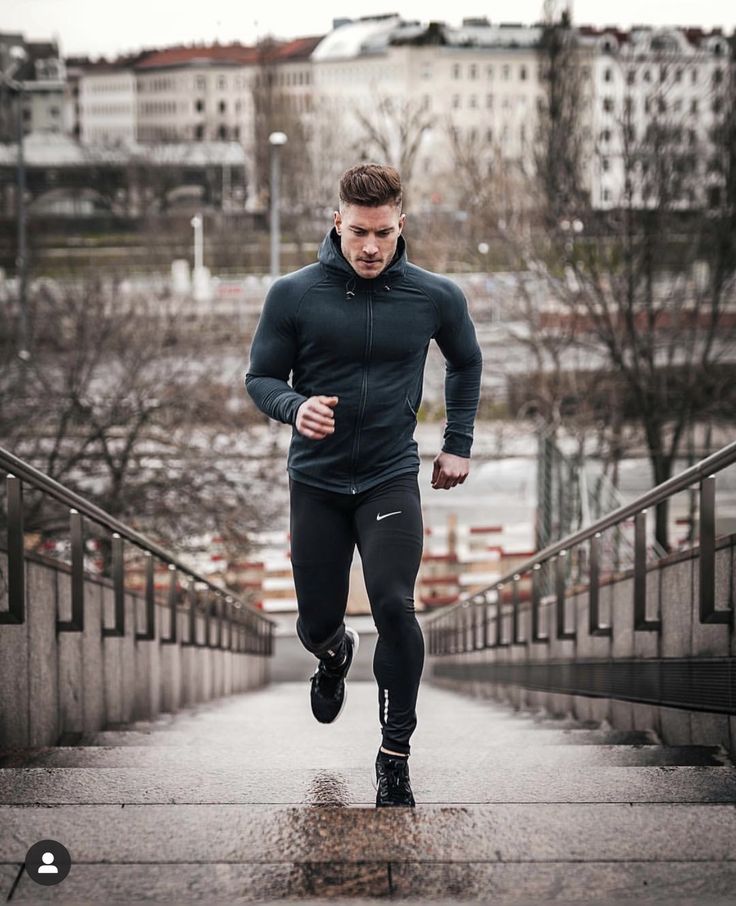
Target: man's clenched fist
{"type": "Point", "coordinates": [315, 418]}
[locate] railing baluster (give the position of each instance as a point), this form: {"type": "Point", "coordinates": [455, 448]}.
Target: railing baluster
{"type": "Point", "coordinates": [118, 588]}
{"type": "Point", "coordinates": [516, 640]}
{"type": "Point", "coordinates": [594, 626]}
{"type": "Point", "coordinates": [560, 587]}
{"type": "Point", "coordinates": [640, 575]}
{"type": "Point", "coordinates": [149, 633]}
{"type": "Point", "coordinates": [76, 530]}
{"type": "Point", "coordinates": [16, 612]}
{"type": "Point", "coordinates": [707, 564]}
{"type": "Point", "coordinates": [537, 635]}
{"type": "Point", "coordinates": [173, 598]}
{"type": "Point", "coordinates": [499, 621]}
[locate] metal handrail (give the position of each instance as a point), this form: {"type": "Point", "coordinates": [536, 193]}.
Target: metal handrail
{"type": "Point", "coordinates": [19, 471]}
{"type": "Point", "coordinates": [704, 472]}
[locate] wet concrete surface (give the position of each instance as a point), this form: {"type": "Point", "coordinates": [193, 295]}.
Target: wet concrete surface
{"type": "Point", "coordinates": [248, 799]}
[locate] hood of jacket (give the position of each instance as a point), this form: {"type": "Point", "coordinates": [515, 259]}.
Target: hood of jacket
{"type": "Point", "coordinates": [334, 262]}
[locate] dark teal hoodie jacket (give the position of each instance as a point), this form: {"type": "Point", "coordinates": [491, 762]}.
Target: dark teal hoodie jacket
{"type": "Point", "coordinates": [364, 341]}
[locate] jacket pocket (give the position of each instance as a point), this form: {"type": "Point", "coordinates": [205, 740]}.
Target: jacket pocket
{"type": "Point", "coordinates": [411, 408]}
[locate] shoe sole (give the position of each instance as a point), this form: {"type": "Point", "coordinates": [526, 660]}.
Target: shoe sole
{"type": "Point", "coordinates": [356, 644]}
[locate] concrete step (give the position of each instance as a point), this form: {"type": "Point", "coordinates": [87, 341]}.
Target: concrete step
{"type": "Point", "coordinates": [351, 884]}
{"type": "Point", "coordinates": [495, 758]}
{"type": "Point", "coordinates": [211, 782]}
{"type": "Point", "coordinates": [511, 832]}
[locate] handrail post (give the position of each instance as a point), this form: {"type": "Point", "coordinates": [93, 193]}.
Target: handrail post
{"type": "Point", "coordinates": [16, 612]}
{"type": "Point", "coordinates": [76, 530]}
{"type": "Point", "coordinates": [560, 588]}
{"type": "Point", "coordinates": [118, 588]}
{"type": "Point", "coordinates": [149, 634]}
{"type": "Point", "coordinates": [640, 576]}
{"type": "Point", "coordinates": [516, 640]}
{"type": "Point", "coordinates": [594, 626]}
{"type": "Point", "coordinates": [499, 621]}
{"type": "Point", "coordinates": [707, 558]}
{"type": "Point", "coordinates": [536, 634]}
{"type": "Point", "coordinates": [172, 602]}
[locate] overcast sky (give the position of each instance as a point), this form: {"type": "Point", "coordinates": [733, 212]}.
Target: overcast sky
{"type": "Point", "coordinates": [108, 27]}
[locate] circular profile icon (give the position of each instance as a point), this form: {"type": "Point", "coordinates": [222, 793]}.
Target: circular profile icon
{"type": "Point", "coordinates": [48, 862]}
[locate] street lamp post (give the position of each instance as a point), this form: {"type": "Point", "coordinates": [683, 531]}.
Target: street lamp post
{"type": "Point", "coordinates": [197, 224]}
{"type": "Point", "coordinates": [276, 140]}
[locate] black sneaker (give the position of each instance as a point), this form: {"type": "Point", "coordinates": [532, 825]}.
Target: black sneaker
{"type": "Point", "coordinates": [328, 694]}
{"type": "Point", "coordinates": [393, 786]}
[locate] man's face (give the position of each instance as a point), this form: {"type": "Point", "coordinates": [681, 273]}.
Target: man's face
{"type": "Point", "coordinates": [368, 236]}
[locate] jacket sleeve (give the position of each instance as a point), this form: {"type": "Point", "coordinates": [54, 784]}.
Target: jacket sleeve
{"type": "Point", "coordinates": [272, 356]}
{"type": "Point", "coordinates": [463, 365]}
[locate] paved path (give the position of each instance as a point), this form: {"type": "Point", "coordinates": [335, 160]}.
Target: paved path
{"type": "Point", "coordinates": [249, 799]}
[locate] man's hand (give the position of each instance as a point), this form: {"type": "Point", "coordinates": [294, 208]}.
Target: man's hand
{"type": "Point", "coordinates": [315, 418]}
{"type": "Point", "coordinates": [449, 470]}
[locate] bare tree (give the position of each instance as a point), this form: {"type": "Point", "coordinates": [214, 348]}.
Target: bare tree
{"type": "Point", "coordinates": [394, 131]}
{"type": "Point", "coordinates": [119, 402]}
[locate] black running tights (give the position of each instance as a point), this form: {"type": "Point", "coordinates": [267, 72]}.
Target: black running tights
{"type": "Point", "coordinates": [385, 522]}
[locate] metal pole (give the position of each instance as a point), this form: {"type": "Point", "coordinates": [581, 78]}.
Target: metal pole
{"type": "Point", "coordinates": [275, 140]}
{"type": "Point", "coordinates": [197, 224]}
{"type": "Point", "coordinates": [275, 224]}
{"type": "Point", "coordinates": [21, 260]}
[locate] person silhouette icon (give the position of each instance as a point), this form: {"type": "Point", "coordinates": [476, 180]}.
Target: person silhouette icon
{"type": "Point", "coordinates": [48, 867]}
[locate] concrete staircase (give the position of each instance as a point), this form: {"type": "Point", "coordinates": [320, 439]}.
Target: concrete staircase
{"type": "Point", "coordinates": [249, 799]}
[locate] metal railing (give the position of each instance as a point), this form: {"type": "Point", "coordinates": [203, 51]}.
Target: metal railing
{"type": "Point", "coordinates": [230, 623]}
{"type": "Point", "coordinates": [459, 629]}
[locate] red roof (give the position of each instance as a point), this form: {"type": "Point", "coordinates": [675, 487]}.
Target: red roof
{"type": "Point", "coordinates": [231, 54]}
{"type": "Point", "coordinates": [214, 53]}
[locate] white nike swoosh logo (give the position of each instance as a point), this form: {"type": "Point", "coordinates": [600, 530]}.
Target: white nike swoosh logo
{"type": "Point", "coordinates": [379, 517]}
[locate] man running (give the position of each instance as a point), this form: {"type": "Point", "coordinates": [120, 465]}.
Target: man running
{"type": "Point", "coordinates": [353, 331]}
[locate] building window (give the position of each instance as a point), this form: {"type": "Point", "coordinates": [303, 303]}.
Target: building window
{"type": "Point", "coordinates": [694, 105]}
{"type": "Point", "coordinates": [717, 105]}
{"type": "Point", "coordinates": [222, 132]}
{"type": "Point", "coordinates": [606, 194]}
{"type": "Point", "coordinates": [489, 73]}
{"type": "Point", "coordinates": [221, 82]}
{"type": "Point", "coordinates": [605, 164]}
{"type": "Point", "coordinates": [489, 101]}
{"type": "Point", "coordinates": [678, 75]}
{"type": "Point", "coordinates": [608, 74]}
{"type": "Point", "coordinates": [647, 76]}
{"type": "Point", "coordinates": [522, 73]}
{"type": "Point", "coordinates": [489, 135]}
{"type": "Point", "coordinates": [473, 71]}
{"type": "Point", "coordinates": [662, 73]}
{"type": "Point", "coordinates": [606, 135]}
{"type": "Point", "coordinates": [199, 106]}
{"type": "Point", "coordinates": [631, 77]}
{"type": "Point", "coordinates": [505, 72]}
{"type": "Point", "coordinates": [222, 107]}
{"type": "Point", "coordinates": [662, 105]}
{"type": "Point", "coordinates": [717, 76]}
{"type": "Point", "coordinates": [456, 70]}
{"type": "Point", "coordinates": [694, 75]}
{"type": "Point", "coordinates": [608, 104]}
{"type": "Point", "coordinates": [199, 132]}
{"type": "Point", "coordinates": [472, 101]}
{"type": "Point", "coordinates": [455, 101]}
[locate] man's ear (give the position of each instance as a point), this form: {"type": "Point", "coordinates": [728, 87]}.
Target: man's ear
{"type": "Point", "coordinates": [402, 221]}
{"type": "Point", "coordinates": [338, 221]}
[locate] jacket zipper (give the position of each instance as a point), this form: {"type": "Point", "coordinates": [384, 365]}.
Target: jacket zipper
{"type": "Point", "coordinates": [363, 392]}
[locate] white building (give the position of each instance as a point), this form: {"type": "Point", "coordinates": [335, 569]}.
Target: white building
{"type": "Point", "coordinates": [108, 107]}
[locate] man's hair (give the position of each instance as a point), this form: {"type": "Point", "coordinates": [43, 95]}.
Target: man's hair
{"type": "Point", "coordinates": [370, 185]}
